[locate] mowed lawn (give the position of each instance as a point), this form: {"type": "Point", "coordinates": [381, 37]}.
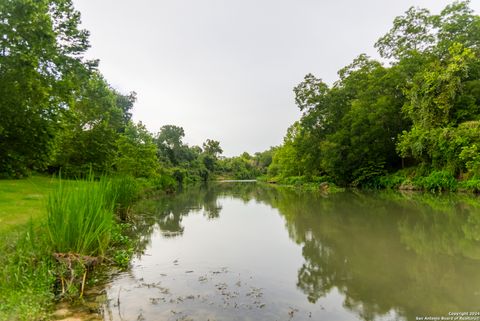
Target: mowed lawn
{"type": "Point", "coordinates": [22, 200]}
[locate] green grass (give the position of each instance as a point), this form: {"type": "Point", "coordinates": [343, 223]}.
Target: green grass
{"type": "Point", "coordinates": [26, 277]}
{"type": "Point", "coordinates": [437, 181]}
{"type": "Point", "coordinates": [23, 200]}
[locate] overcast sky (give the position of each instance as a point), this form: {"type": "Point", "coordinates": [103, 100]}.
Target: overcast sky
{"type": "Point", "coordinates": [225, 69]}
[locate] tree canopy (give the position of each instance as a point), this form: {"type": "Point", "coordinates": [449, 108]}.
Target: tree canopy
{"type": "Point", "coordinates": [421, 109]}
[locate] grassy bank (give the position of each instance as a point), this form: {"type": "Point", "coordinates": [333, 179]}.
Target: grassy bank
{"type": "Point", "coordinates": [54, 233]}
{"type": "Point", "coordinates": [26, 277]}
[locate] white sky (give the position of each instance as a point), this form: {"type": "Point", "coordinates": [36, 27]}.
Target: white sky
{"type": "Point", "coordinates": [225, 69]}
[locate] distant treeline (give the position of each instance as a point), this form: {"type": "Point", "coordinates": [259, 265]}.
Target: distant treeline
{"type": "Point", "coordinates": [415, 114]}
{"type": "Point", "coordinates": [58, 113]}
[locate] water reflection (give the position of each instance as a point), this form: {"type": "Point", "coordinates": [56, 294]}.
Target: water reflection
{"type": "Point", "coordinates": [389, 255]}
{"type": "Point", "coordinates": [168, 211]}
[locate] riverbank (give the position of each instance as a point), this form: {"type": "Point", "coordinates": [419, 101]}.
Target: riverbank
{"type": "Point", "coordinates": [302, 183]}
{"type": "Point", "coordinates": [39, 268]}
{"type": "Point", "coordinates": [26, 281]}
{"type": "Point", "coordinates": [410, 179]}
{"type": "Point", "coordinates": [432, 181]}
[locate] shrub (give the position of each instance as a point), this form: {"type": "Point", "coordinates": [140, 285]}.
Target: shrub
{"type": "Point", "coordinates": [293, 180]}
{"type": "Point", "coordinates": [472, 185]}
{"type": "Point", "coordinates": [391, 181]}
{"type": "Point", "coordinates": [122, 191]}
{"type": "Point", "coordinates": [164, 182]}
{"type": "Point", "coordinates": [438, 181]}
{"type": "Point", "coordinates": [123, 245]}
{"type": "Point", "coordinates": [320, 179]}
{"type": "Point", "coordinates": [367, 175]}
{"type": "Point", "coordinates": [179, 174]}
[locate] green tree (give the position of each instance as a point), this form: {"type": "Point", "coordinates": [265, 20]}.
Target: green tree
{"type": "Point", "coordinates": [91, 128]}
{"type": "Point", "coordinates": [285, 161]}
{"type": "Point", "coordinates": [40, 66]}
{"type": "Point", "coordinates": [363, 145]}
{"type": "Point", "coordinates": [264, 159]}
{"type": "Point", "coordinates": [212, 148]}
{"type": "Point", "coordinates": [437, 103]}
{"type": "Point", "coordinates": [137, 152]}
{"type": "Point", "coordinates": [170, 145]}
{"type": "Point", "coordinates": [423, 107]}
{"type": "Point", "coordinates": [411, 33]}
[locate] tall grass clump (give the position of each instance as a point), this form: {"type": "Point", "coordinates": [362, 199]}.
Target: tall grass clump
{"type": "Point", "coordinates": [121, 191]}
{"type": "Point", "coordinates": [80, 217]}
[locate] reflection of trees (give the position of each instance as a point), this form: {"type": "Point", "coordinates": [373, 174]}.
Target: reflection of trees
{"type": "Point", "coordinates": [210, 205]}
{"type": "Point", "coordinates": [167, 211]}
{"type": "Point", "coordinates": [315, 278]}
{"type": "Point", "coordinates": [414, 254]}
{"type": "Point", "coordinates": [448, 224]}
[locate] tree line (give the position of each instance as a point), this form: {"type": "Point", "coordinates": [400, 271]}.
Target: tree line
{"type": "Point", "coordinates": [411, 118]}
{"type": "Point", "coordinates": [415, 113]}
{"type": "Point", "coordinates": [59, 114]}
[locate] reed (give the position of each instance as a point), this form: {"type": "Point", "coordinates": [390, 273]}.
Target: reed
{"type": "Point", "coordinates": [80, 217]}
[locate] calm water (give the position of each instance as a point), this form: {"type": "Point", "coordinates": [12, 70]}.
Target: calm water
{"type": "Point", "coordinates": [243, 251]}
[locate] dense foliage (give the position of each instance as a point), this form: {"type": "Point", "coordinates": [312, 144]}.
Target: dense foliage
{"type": "Point", "coordinates": [245, 166]}
{"type": "Point", "coordinates": [420, 110]}
{"type": "Point", "coordinates": [59, 114]}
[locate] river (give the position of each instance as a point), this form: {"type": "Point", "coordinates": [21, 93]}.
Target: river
{"type": "Point", "coordinates": [246, 251]}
